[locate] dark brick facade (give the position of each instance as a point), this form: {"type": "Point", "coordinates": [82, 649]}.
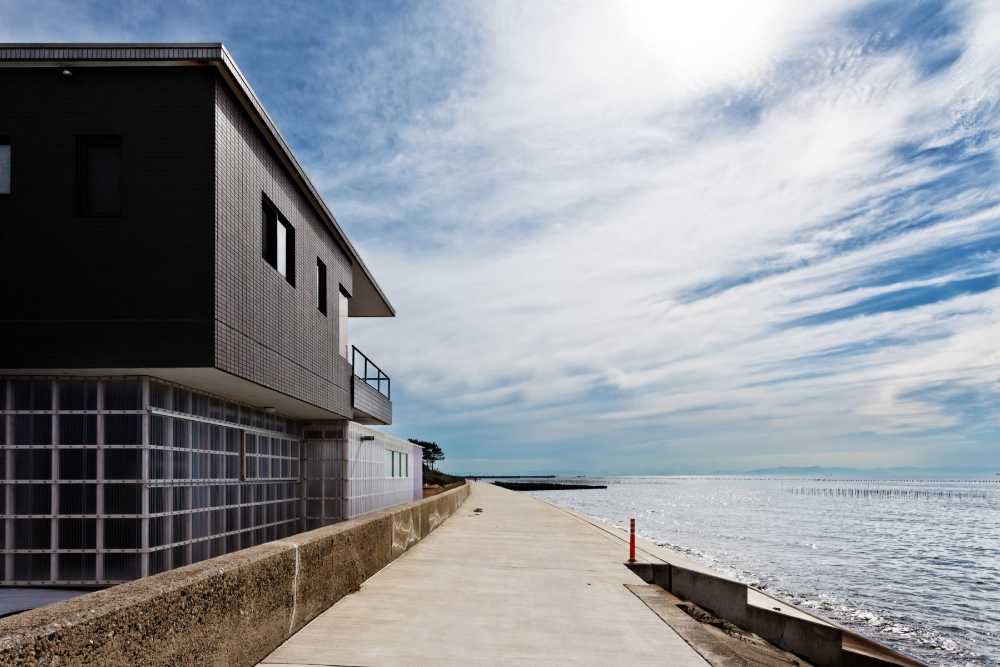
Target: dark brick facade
{"type": "Point", "coordinates": [370, 406]}
{"type": "Point", "coordinates": [156, 370]}
{"type": "Point", "coordinates": [178, 280]}
{"type": "Point", "coordinates": [267, 330]}
{"type": "Point", "coordinates": [135, 290]}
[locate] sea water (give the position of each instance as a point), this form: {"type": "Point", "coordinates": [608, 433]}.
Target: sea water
{"type": "Point", "coordinates": [914, 564]}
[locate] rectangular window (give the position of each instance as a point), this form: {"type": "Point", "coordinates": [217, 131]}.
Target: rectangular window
{"type": "Point", "coordinates": [99, 176]}
{"type": "Point", "coordinates": [321, 285]}
{"type": "Point", "coordinates": [282, 250]}
{"type": "Point", "coordinates": [278, 241]}
{"type": "Point", "coordinates": [343, 308]}
{"type": "Point", "coordinates": [388, 463]}
{"type": "Point", "coordinates": [398, 463]}
{"type": "Point", "coordinates": [6, 166]}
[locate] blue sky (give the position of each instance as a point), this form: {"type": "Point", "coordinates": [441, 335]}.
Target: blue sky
{"type": "Point", "coordinates": [647, 237]}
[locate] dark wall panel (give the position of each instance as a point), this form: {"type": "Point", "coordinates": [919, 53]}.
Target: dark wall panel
{"type": "Point", "coordinates": [135, 290]}
{"type": "Point", "coordinates": [267, 330]}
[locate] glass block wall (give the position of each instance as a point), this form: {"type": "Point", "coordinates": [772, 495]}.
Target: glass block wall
{"type": "Point", "coordinates": [322, 468]}
{"type": "Point", "coordinates": [223, 477]}
{"type": "Point", "coordinates": [349, 470]}
{"type": "Point", "coordinates": [107, 480]}
{"type": "Point", "coordinates": [104, 480]}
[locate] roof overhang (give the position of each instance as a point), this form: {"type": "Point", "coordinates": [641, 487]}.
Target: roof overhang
{"type": "Point", "coordinates": [368, 299]}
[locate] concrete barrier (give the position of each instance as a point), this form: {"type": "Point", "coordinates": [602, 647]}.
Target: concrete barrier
{"type": "Point", "coordinates": [821, 643]}
{"type": "Point", "coordinates": [230, 610]}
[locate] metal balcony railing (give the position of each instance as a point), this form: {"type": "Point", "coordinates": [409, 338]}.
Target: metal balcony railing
{"type": "Point", "coordinates": [365, 371]}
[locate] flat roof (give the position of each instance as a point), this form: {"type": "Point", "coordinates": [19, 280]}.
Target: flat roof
{"type": "Point", "coordinates": [368, 299]}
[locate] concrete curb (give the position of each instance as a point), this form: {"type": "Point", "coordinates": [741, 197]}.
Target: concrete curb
{"type": "Point", "coordinates": [230, 610]}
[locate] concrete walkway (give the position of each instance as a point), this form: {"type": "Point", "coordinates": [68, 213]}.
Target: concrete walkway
{"type": "Point", "coordinates": [520, 583]}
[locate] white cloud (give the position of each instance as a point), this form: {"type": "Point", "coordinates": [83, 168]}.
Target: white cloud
{"type": "Point", "coordinates": [578, 196]}
{"type": "Point", "coordinates": [538, 185]}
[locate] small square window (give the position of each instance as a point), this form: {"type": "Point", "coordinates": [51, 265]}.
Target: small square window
{"type": "Point", "coordinates": [6, 166]}
{"type": "Point", "coordinates": [321, 285]}
{"type": "Point", "coordinates": [278, 240]}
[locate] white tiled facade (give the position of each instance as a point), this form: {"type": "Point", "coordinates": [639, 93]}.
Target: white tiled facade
{"type": "Point", "coordinates": [346, 473]}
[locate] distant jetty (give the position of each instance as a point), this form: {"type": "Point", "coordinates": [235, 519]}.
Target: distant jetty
{"type": "Point", "coordinates": [546, 486]}
{"type": "Point", "coordinates": [509, 476]}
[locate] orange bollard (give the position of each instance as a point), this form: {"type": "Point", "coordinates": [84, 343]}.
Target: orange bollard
{"type": "Point", "coordinates": [631, 540]}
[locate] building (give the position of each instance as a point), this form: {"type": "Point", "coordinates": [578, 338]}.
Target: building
{"type": "Point", "coordinates": [176, 379]}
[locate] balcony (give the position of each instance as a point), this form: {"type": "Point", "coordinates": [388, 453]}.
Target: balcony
{"type": "Point", "coordinates": [371, 391]}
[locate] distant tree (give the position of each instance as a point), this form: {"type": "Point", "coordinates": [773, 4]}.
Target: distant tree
{"type": "Point", "coordinates": [432, 452]}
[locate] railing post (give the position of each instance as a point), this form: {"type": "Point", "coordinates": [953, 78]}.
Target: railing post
{"type": "Point", "coordinates": [631, 540]}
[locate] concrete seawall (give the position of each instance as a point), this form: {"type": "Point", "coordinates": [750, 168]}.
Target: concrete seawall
{"type": "Point", "coordinates": [784, 625]}
{"type": "Point", "coordinates": [230, 610]}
